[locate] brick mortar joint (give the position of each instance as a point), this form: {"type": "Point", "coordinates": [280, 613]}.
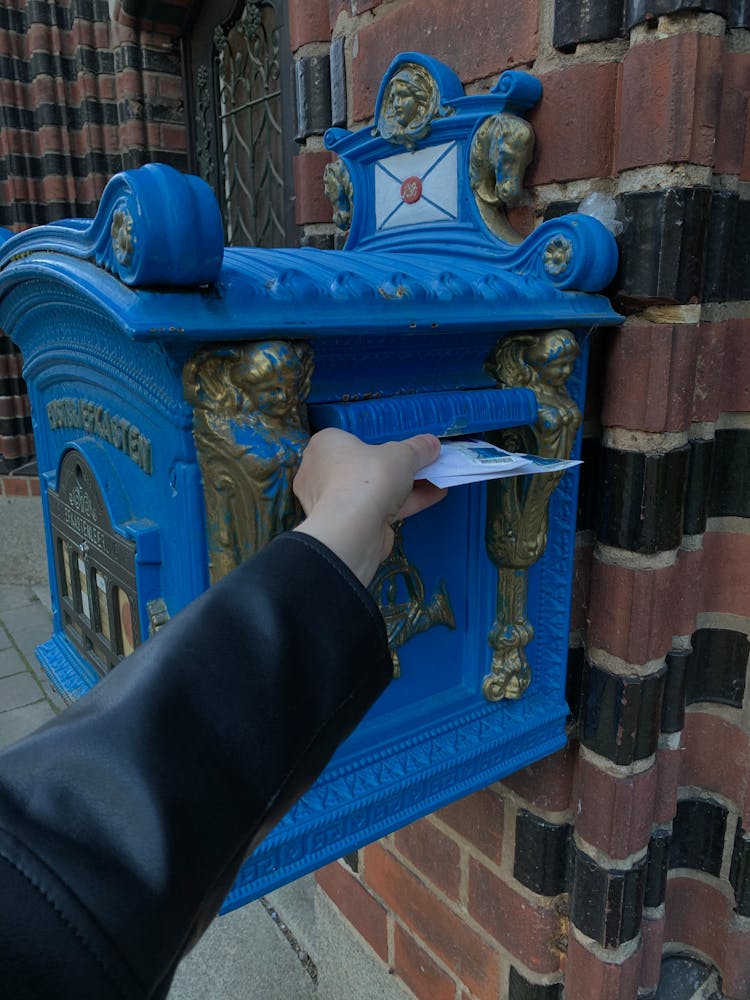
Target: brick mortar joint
{"type": "Point", "coordinates": [608, 555]}
{"type": "Point", "coordinates": [615, 771]}
{"type": "Point", "coordinates": [609, 956]}
{"type": "Point", "coordinates": [456, 906]}
{"type": "Point", "coordinates": [606, 861]}
{"type": "Point", "coordinates": [415, 869]}
{"type": "Point", "coordinates": [311, 49]}
{"type": "Point", "coordinates": [725, 312]}
{"type": "Point", "coordinates": [715, 882]}
{"type": "Point", "coordinates": [458, 910]}
{"type": "Point", "coordinates": [728, 525]}
{"type": "Point", "coordinates": [516, 802]}
{"type": "Point", "coordinates": [647, 443]}
{"type": "Point", "coordinates": [411, 933]}
{"type": "Point", "coordinates": [678, 24]}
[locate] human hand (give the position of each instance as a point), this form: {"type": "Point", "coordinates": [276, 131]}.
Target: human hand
{"type": "Point", "coordinates": [352, 493]}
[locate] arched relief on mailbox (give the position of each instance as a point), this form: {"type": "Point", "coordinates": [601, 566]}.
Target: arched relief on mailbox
{"type": "Point", "coordinates": [252, 349]}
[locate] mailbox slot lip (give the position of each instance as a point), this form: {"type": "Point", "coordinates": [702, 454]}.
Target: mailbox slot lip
{"type": "Point", "coordinates": [444, 414]}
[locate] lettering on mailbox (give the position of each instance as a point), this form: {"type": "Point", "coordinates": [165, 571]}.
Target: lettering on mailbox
{"type": "Point", "coordinates": [91, 417]}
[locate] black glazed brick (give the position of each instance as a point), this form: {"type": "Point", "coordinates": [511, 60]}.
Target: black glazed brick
{"type": "Point", "coordinates": [607, 904]}
{"type": "Point", "coordinates": [588, 484]}
{"type": "Point", "coordinates": [153, 10]}
{"type": "Point", "coordinates": [663, 244]}
{"type": "Point", "coordinates": [573, 681]}
{"type": "Point", "coordinates": [577, 22]}
{"type": "Point", "coordinates": [673, 701]}
{"type": "Point", "coordinates": [541, 858]}
{"type": "Point", "coordinates": [312, 76]}
{"type": "Point", "coordinates": [739, 275]}
{"type": "Point", "coordinates": [739, 871]}
{"type": "Point", "coordinates": [739, 14]}
{"type": "Point", "coordinates": [637, 11]}
{"type": "Point", "coordinates": [657, 867]}
{"type": "Point", "coordinates": [352, 861]}
{"type": "Point", "coordinates": [338, 83]}
{"type": "Point", "coordinates": [729, 495]}
{"type": "Point", "coordinates": [620, 716]}
{"type": "Point", "coordinates": [15, 20]}
{"type": "Point", "coordinates": [641, 499]}
{"type": "Point", "coordinates": [720, 246]}
{"type": "Point", "coordinates": [555, 209]}
{"type": "Point", "coordinates": [698, 832]}
{"type": "Point", "coordinates": [717, 667]}
{"type": "Point", "coordinates": [521, 989]}
{"type": "Point", "coordinates": [698, 486]}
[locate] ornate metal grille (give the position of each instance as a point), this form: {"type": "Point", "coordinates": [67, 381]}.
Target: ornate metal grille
{"type": "Point", "coordinates": [240, 120]}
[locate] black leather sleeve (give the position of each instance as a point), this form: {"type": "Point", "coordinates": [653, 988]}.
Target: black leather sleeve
{"type": "Point", "coordinates": [124, 821]}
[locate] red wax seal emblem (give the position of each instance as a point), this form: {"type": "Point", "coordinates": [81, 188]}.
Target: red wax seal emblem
{"type": "Point", "coordinates": [411, 190]}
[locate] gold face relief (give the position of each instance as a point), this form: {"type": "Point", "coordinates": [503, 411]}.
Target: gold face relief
{"type": "Point", "coordinates": [250, 428]}
{"type": "Point", "coordinates": [411, 102]}
{"type": "Point", "coordinates": [518, 507]}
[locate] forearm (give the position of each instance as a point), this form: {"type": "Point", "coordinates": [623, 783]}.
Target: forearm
{"type": "Point", "coordinates": [145, 797]}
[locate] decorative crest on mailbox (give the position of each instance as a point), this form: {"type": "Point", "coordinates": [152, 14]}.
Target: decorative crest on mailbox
{"type": "Point", "coordinates": [183, 379]}
{"type": "Point", "coordinates": [440, 166]}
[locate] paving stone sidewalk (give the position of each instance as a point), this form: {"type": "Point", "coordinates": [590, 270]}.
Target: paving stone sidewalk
{"type": "Point", "coordinates": [27, 699]}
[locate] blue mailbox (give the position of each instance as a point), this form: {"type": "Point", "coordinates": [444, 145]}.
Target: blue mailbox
{"type": "Point", "coordinates": [174, 384]}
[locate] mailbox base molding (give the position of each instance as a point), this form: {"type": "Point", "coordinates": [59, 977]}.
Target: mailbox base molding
{"type": "Point", "coordinates": [399, 785]}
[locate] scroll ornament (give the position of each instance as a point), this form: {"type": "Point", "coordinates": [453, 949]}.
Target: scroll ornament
{"type": "Point", "coordinates": [518, 507]}
{"type": "Point", "coordinates": [399, 592]}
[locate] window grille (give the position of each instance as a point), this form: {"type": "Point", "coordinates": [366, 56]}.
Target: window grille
{"type": "Point", "coordinates": [241, 123]}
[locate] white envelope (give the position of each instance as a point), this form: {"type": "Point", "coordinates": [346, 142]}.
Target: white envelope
{"type": "Point", "coordinates": [470, 460]}
{"type": "Point", "coordinates": [431, 195]}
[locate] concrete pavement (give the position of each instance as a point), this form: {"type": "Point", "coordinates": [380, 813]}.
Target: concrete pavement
{"type": "Point", "coordinates": [27, 699]}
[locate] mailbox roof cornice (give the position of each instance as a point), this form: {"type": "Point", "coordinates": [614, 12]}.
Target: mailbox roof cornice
{"type": "Point", "coordinates": [423, 196]}
{"type": "Point", "coordinates": [306, 292]}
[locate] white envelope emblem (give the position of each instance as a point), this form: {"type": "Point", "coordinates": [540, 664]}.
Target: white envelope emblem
{"type": "Point", "coordinates": [417, 187]}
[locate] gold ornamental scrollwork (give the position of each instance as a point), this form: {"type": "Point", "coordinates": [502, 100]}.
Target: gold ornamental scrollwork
{"type": "Point", "coordinates": [501, 149]}
{"type": "Point", "coordinates": [411, 102]}
{"type": "Point", "coordinates": [518, 507]}
{"type": "Point", "coordinates": [122, 236]}
{"type": "Point", "coordinates": [399, 592]}
{"type": "Point", "coordinates": [339, 190]}
{"type": "Point", "coordinates": [250, 428]}
{"type": "Point", "coordinates": [557, 255]}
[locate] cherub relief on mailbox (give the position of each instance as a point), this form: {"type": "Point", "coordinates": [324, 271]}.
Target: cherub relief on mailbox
{"type": "Point", "coordinates": [182, 379]}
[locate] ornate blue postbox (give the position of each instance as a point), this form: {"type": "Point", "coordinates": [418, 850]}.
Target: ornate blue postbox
{"type": "Point", "coordinates": [174, 384]}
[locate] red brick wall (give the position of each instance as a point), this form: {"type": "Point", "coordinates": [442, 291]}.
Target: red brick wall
{"type": "Point", "coordinates": [81, 98]}
{"type": "Point", "coordinates": [578, 871]}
